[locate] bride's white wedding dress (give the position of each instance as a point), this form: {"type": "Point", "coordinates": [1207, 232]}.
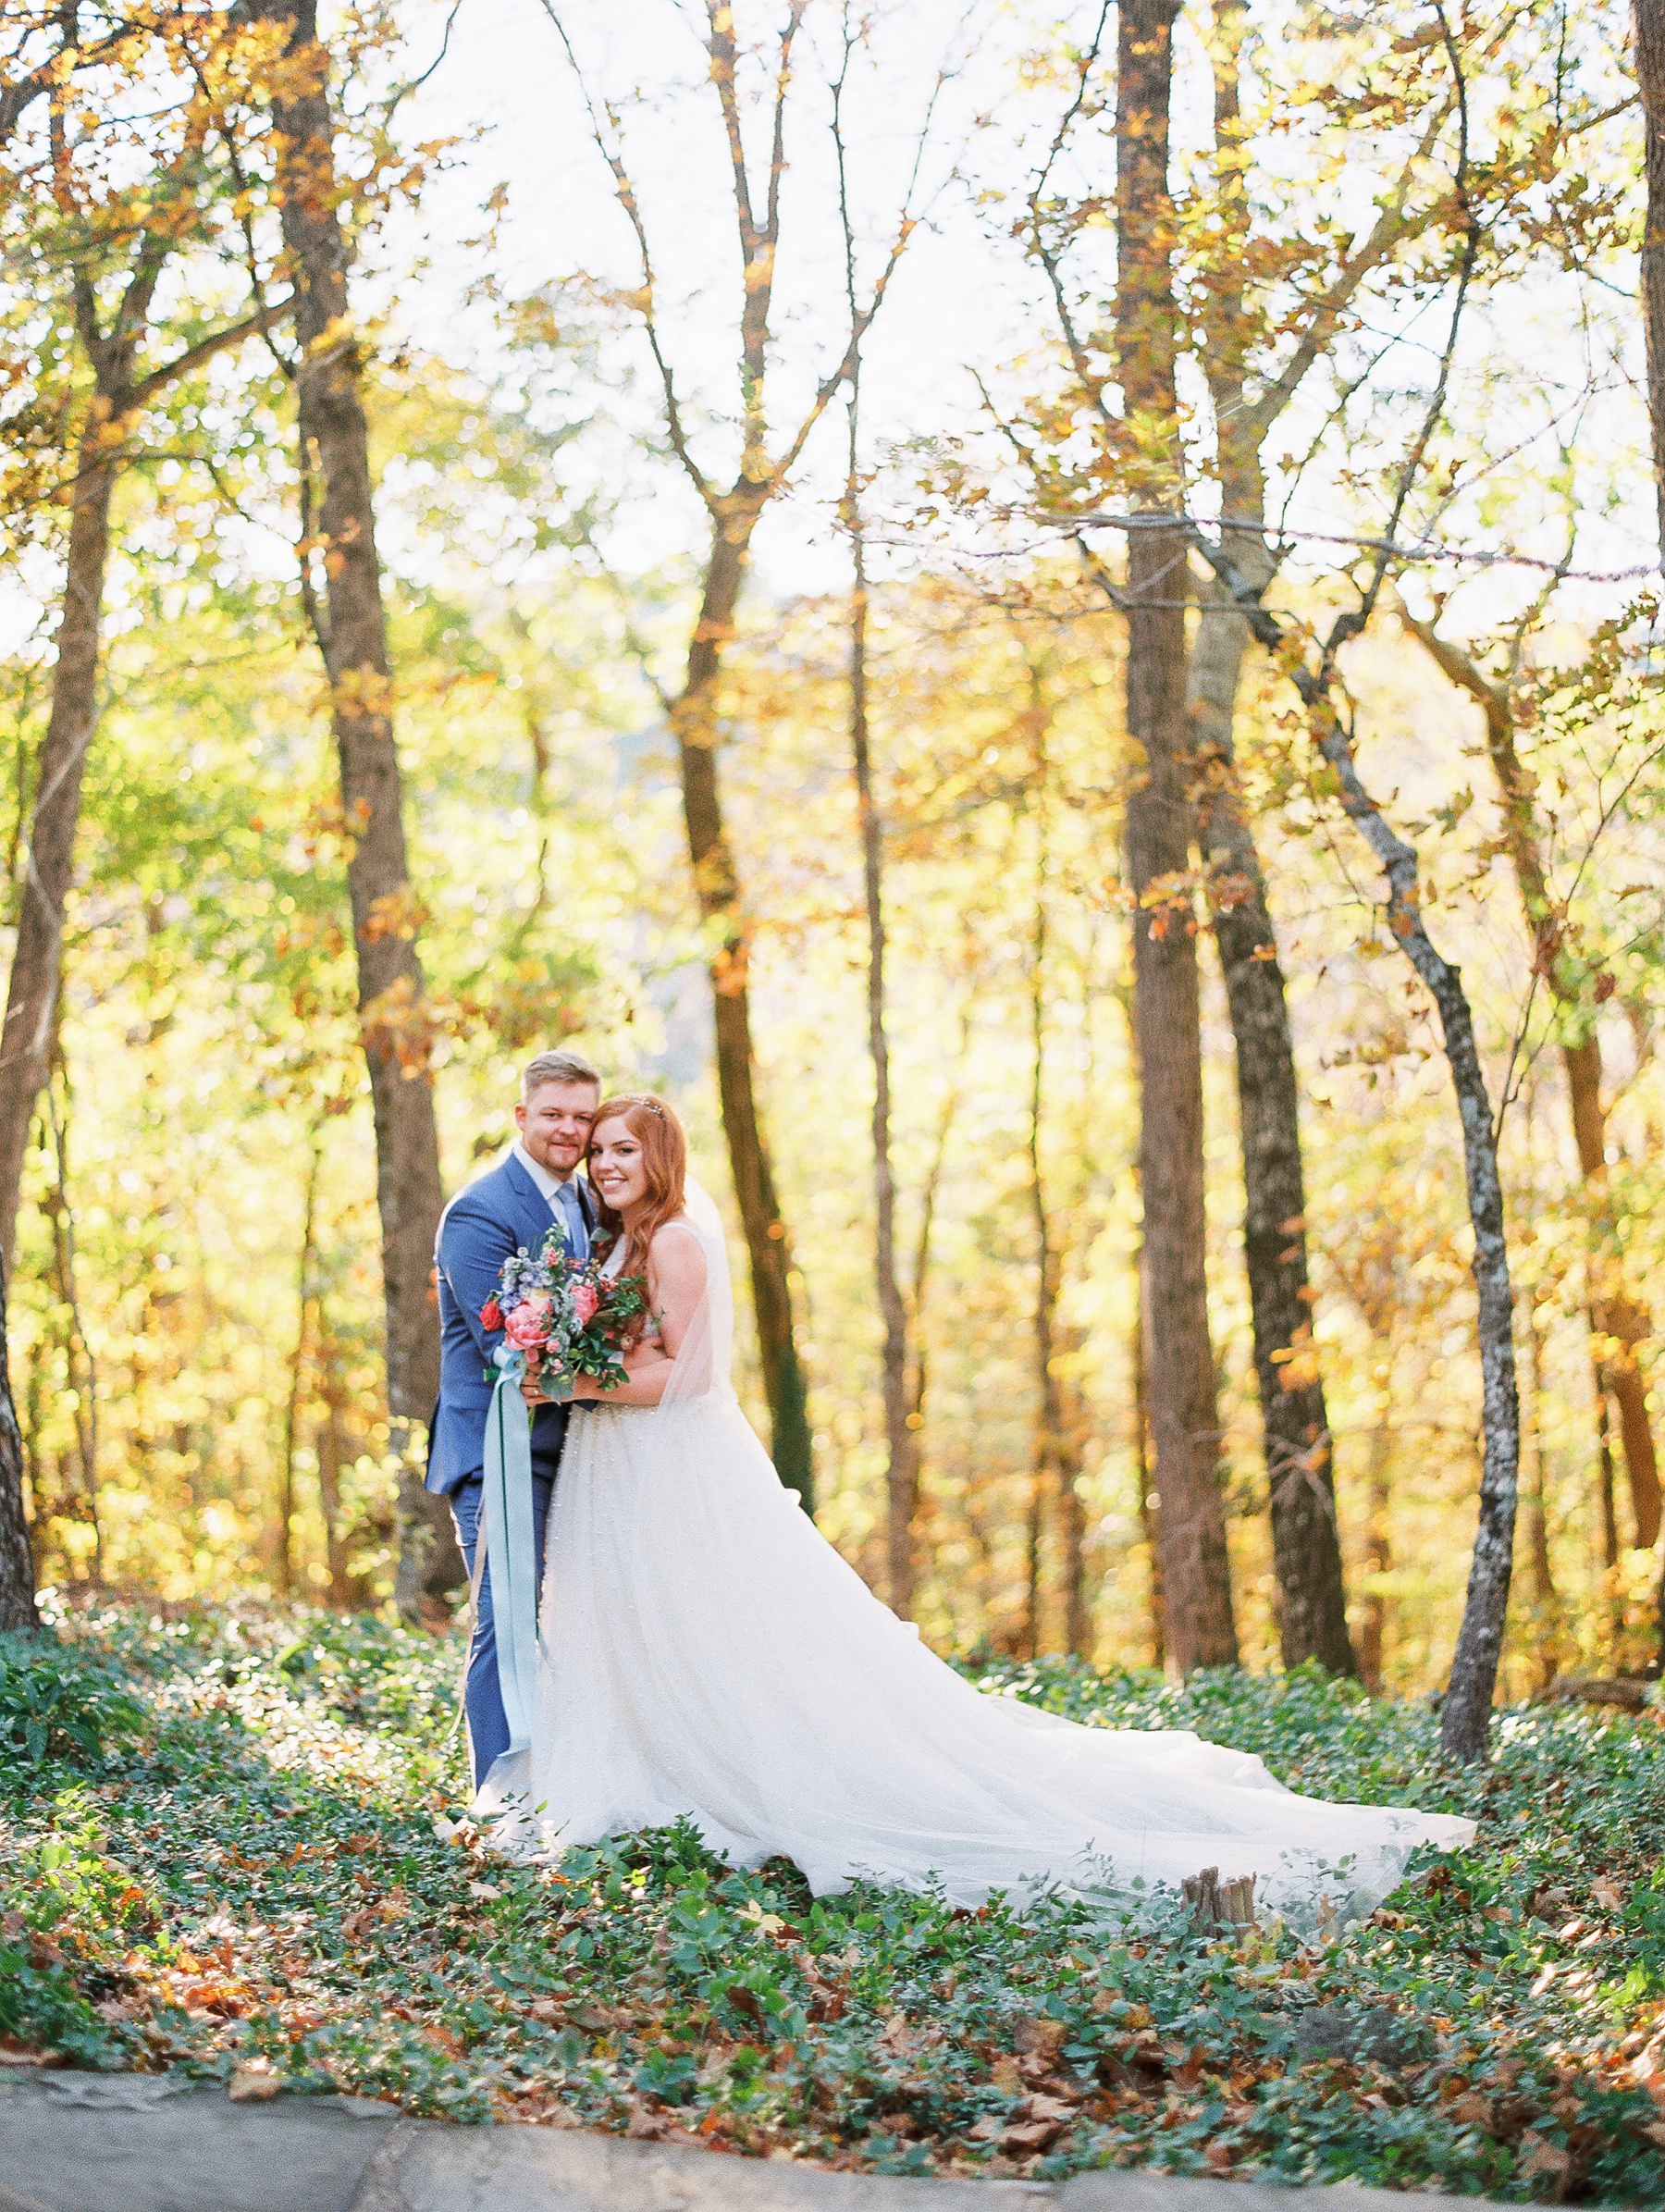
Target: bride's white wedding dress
{"type": "Point", "coordinates": [706, 1652]}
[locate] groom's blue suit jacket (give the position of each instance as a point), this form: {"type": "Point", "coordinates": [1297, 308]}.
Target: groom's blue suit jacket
{"type": "Point", "coordinates": [480, 1228]}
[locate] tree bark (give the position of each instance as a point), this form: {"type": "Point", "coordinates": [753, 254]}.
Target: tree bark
{"type": "Point", "coordinates": [1306, 1543]}
{"type": "Point", "coordinates": [284, 1549]}
{"type": "Point", "coordinates": [37, 957]}
{"type": "Point", "coordinates": [82, 1364]}
{"type": "Point", "coordinates": [902, 1453]}
{"type": "Point", "coordinates": [1465, 1722]}
{"type": "Point", "coordinates": [31, 996]}
{"type": "Point", "coordinates": [1378, 1545]}
{"type": "Point", "coordinates": [331, 1444]}
{"type": "Point", "coordinates": [1648, 22]}
{"type": "Point", "coordinates": [693, 721]}
{"type": "Point", "coordinates": [16, 1560]}
{"type": "Point", "coordinates": [1141, 1478]}
{"type": "Point", "coordinates": [350, 624]}
{"type": "Point", "coordinates": [1546, 1604]}
{"type": "Point", "coordinates": [1615, 1313]}
{"type": "Point", "coordinates": [1184, 1422]}
{"type": "Point", "coordinates": [1604, 1464]}
{"type": "Point", "coordinates": [1305, 1534]}
{"type": "Point", "coordinates": [1055, 1460]}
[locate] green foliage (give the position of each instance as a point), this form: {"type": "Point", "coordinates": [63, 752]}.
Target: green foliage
{"type": "Point", "coordinates": [62, 1702]}
{"type": "Point", "coordinates": [274, 1878]}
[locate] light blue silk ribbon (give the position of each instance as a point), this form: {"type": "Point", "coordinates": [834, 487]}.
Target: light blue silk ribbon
{"type": "Point", "coordinates": [510, 1546]}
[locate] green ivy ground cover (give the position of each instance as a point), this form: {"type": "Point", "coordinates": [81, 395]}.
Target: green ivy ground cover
{"type": "Point", "coordinates": [228, 1842]}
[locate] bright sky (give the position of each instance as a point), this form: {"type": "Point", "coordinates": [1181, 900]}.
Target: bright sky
{"type": "Point", "coordinates": [957, 300]}
{"type": "Point", "coordinates": [964, 300]}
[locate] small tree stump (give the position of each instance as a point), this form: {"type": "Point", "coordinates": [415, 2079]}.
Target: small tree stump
{"type": "Point", "coordinates": [1216, 1904]}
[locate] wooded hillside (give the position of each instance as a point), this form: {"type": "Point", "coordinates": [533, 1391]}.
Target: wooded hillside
{"type": "Point", "coordinates": [1053, 627]}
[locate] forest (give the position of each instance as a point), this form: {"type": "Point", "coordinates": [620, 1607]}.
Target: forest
{"type": "Point", "coordinates": [1049, 620]}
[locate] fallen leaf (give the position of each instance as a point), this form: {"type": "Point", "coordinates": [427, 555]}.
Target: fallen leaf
{"type": "Point", "coordinates": [1031, 2134]}
{"type": "Point", "coordinates": [1543, 2157]}
{"type": "Point", "coordinates": [253, 2085]}
{"type": "Point", "coordinates": [1039, 2037]}
{"type": "Point", "coordinates": [1471, 2110]}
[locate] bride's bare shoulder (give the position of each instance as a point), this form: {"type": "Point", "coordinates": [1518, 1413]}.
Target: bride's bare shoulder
{"type": "Point", "coordinates": [677, 1255]}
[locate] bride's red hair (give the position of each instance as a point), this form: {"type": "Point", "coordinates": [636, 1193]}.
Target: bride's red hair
{"type": "Point", "coordinates": [664, 1158]}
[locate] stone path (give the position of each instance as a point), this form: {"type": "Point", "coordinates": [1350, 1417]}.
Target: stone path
{"type": "Point", "coordinates": [138, 2143]}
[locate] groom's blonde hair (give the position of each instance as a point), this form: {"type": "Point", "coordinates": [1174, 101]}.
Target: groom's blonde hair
{"type": "Point", "coordinates": [563, 1066]}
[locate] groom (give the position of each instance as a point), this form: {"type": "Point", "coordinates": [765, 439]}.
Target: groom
{"type": "Point", "coordinates": [512, 1206]}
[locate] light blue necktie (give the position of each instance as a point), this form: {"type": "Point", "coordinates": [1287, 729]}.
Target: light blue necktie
{"type": "Point", "coordinates": [571, 1221]}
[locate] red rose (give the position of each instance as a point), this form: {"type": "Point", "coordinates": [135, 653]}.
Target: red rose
{"type": "Point", "coordinates": [491, 1314]}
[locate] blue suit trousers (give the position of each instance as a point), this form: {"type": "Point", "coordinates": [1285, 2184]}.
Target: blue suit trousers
{"type": "Point", "coordinates": [487, 1723]}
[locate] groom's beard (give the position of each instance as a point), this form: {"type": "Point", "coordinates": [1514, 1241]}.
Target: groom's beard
{"type": "Point", "coordinates": [564, 1166]}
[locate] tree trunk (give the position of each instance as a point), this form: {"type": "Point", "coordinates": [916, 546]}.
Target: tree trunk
{"type": "Point", "coordinates": [1614, 1313]}
{"type": "Point", "coordinates": [1057, 1441]}
{"type": "Point", "coordinates": [1072, 1511]}
{"type": "Point", "coordinates": [1612, 1600]}
{"type": "Point", "coordinates": [332, 1452]}
{"type": "Point", "coordinates": [694, 719]}
{"type": "Point", "coordinates": [16, 1560]}
{"type": "Point", "coordinates": [1305, 1534]}
{"type": "Point", "coordinates": [1648, 22]}
{"type": "Point", "coordinates": [1196, 1572]}
{"type": "Point", "coordinates": [1046, 1457]}
{"type": "Point", "coordinates": [1466, 1723]}
{"type": "Point", "coordinates": [67, 1283]}
{"type": "Point", "coordinates": [901, 1453]}
{"type": "Point", "coordinates": [1378, 1545]}
{"type": "Point", "coordinates": [32, 997]}
{"type": "Point", "coordinates": [1306, 1542]}
{"type": "Point", "coordinates": [1141, 1476]}
{"type": "Point", "coordinates": [1604, 1461]}
{"type": "Point", "coordinates": [285, 1547]}
{"type": "Point", "coordinates": [334, 442]}
{"type": "Point", "coordinates": [1546, 1604]}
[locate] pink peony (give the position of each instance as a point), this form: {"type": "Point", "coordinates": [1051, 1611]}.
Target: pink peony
{"type": "Point", "coordinates": [586, 1299]}
{"type": "Point", "coordinates": [528, 1326]}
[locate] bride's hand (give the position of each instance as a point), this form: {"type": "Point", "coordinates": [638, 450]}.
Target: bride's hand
{"type": "Point", "coordinates": [586, 1387]}
{"type": "Point", "coordinates": [533, 1395]}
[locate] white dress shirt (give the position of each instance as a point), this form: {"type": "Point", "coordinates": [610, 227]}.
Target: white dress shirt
{"type": "Point", "coordinates": [547, 1183]}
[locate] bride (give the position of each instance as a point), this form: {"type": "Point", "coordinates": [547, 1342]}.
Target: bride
{"type": "Point", "coordinates": [705, 1652]}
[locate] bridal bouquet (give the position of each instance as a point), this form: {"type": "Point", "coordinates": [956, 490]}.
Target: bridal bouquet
{"type": "Point", "coordinates": [563, 1317]}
